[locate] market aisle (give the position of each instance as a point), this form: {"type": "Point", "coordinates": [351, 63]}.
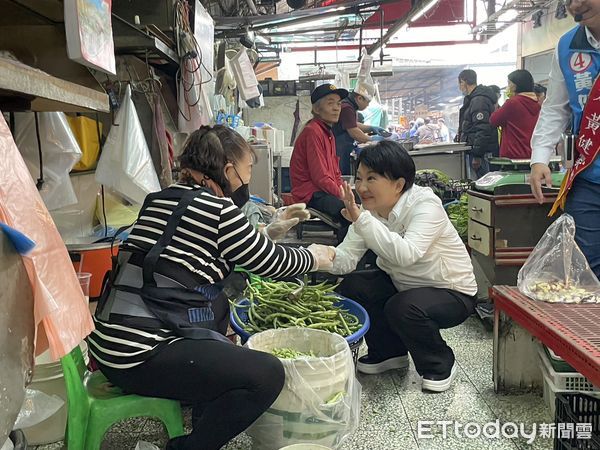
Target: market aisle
{"type": "Point", "coordinates": [393, 404]}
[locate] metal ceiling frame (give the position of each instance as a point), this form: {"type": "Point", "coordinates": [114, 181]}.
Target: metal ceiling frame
{"type": "Point", "coordinates": [525, 8]}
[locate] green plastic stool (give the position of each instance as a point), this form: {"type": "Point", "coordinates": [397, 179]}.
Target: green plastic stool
{"type": "Point", "coordinates": [94, 404]}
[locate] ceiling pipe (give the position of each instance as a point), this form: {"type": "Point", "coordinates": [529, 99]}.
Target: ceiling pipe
{"type": "Point", "coordinates": [394, 45]}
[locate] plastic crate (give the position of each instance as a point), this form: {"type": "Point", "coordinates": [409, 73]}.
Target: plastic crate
{"type": "Point", "coordinates": [550, 392]}
{"type": "Point", "coordinates": [565, 381]}
{"type": "Point", "coordinates": [575, 408]}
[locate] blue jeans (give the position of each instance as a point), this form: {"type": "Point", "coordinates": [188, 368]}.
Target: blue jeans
{"type": "Point", "coordinates": [583, 203]}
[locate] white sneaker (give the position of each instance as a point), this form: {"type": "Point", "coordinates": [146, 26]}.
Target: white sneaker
{"type": "Point", "coordinates": [440, 385]}
{"type": "Point", "coordinates": [369, 366]}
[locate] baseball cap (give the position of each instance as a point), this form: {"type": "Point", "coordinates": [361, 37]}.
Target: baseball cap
{"type": "Point", "coordinates": [326, 89]}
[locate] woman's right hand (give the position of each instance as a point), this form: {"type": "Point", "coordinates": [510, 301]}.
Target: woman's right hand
{"type": "Point", "coordinates": [323, 255]}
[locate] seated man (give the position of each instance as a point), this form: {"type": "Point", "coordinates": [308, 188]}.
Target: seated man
{"type": "Point", "coordinates": [314, 167]}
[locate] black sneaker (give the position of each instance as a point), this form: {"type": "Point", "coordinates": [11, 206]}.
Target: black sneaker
{"type": "Point", "coordinates": [370, 366]}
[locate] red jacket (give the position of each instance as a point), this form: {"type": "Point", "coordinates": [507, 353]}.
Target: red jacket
{"type": "Point", "coordinates": [517, 117]}
{"type": "Point", "coordinates": [315, 165]}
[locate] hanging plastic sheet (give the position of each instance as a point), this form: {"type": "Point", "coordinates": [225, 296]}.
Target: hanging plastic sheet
{"type": "Point", "coordinates": [60, 152]}
{"type": "Point", "coordinates": [125, 164]}
{"type": "Point", "coordinates": [61, 313]}
{"type": "Point", "coordinates": [160, 140]}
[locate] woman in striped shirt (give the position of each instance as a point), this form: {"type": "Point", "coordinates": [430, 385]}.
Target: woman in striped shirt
{"type": "Point", "coordinates": [159, 327]}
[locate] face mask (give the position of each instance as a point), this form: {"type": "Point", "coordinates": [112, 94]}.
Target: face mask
{"type": "Point", "coordinates": [242, 194]}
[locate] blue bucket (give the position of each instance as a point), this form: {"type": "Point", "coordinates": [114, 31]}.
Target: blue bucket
{"type": "Point", "coordinates": [345, 303]}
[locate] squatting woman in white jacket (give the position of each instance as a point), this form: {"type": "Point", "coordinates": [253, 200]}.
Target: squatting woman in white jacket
{"type": "Point", "coordinates": [424, 281]}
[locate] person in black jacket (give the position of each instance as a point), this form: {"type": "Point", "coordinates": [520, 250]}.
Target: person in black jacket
{"type": "Point", "coordinates": [474, 122]}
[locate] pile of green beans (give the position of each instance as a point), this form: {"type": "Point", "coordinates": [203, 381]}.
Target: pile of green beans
{"type": "Point", "coordinates": [271, 306]}
{"type": "Point", "coordinates": [290, 353]}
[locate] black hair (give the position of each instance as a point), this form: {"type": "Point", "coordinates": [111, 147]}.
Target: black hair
{"type": "Point", "coordinates": [390, 160]}
{"type": "Point", "coordinates": [522, 80]}
{"type": "Point", "coordinates": [496, 90]}
{"type": "Point", "coordinates": [539, 89]}
{"type": "Point", "coordinates": [208, 149]}
{"type": "Point", "coordinates": [469, 76]}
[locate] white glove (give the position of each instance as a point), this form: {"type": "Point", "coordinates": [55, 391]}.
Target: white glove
{"type": "Point", "coordinates": [279, 228]}
{"type": "Point", "coordinates": [295, 211]}
{"type": "Point", "coordinates": [286, 218]}
{"type": "Point", "coordinates": [324, 256]}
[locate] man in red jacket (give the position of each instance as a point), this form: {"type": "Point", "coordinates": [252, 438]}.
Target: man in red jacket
{"type": "Point", "coordinates": [517, 116]}
{"type": "Point", "coordinates": [314, 168]}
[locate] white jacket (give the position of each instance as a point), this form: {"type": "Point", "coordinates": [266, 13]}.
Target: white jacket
{"type": "Point", "coordinates": [417, 246]}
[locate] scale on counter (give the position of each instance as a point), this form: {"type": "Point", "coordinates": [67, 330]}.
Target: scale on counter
{"type": "Point", "coordinates": [513, 177]}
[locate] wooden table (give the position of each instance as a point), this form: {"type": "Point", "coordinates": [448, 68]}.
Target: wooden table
{"type": "Point", "coordinates": [571, 331]}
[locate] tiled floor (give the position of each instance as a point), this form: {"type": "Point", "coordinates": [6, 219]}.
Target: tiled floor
{"type": "Point", "coordinates": [393, 404]}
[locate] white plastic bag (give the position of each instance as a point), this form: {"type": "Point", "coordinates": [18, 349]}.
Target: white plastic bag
{"type": "Point", "coordinates": [320, 401]}
{"type": "Point", "coordinates": [36, 408]}
{"type": "Point", "coordinates": [143, 445]}
{"type": "Point", "coordinates": [556, 270]}
{"type": "Point", "coordinates": [60, 152]}
{"type": "Point", "coordinates": [125, 164]}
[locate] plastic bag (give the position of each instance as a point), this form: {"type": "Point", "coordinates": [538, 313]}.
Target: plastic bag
{"type": "Point", "coordinates": [60, 152]}
{"type": "Point", "coordinates": [556, 270]}
{"type": "Point", "coordinates": [125, 164]}
{"type": "Point", "coordinates": [320, 401]}
{"type": "Point", "coordinates": [77, 220]}
{"type": "Point", "coordinates": [143, 445]}
{"type": "Point", "coordinates": [60, 307]}
{"type": "Point", "coordinates": [37, 407]}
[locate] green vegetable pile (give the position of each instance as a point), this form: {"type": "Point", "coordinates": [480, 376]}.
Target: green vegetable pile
{"type": "Point", "coordinates": [459, 216]}
{"type": "Point", "coordinates": [290, 353]}
{"type": "Point", "coordinates": [285, 304]}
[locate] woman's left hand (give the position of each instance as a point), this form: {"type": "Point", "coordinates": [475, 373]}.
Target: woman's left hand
{"type": "Point", "coordinates": [352, 211]}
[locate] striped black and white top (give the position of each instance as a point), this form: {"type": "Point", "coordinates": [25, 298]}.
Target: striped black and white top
{"type": "Point", "coordinates": [212, 237]}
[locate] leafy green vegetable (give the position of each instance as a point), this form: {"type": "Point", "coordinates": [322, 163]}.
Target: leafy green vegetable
{"type": "Point", "coordinates": [459, 216]}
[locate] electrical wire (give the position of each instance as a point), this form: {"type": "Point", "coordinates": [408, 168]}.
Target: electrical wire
{"type": "Point", "coordinates": [40, 180]}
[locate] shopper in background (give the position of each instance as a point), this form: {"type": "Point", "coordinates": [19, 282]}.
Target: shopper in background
{"type": "Point", "coordinates": [424, 279]}
{"type": "Point", "coordinates": [517, 116]}
{"type": "Point", "coordinates": [314, 167]}
{"type": "Point", "coordinates": [474, 126]}
{"type": "Point", "coordinates": [160, 324]}
{"type": "Point", "coordinates": [540, 92]}
{"type": "Point", "coordinates": [428, 133]}
{"type": "Point", "coordinates": [349, 129]}
{"type": "Point", "coordinates": [498, 93]}
{"type": "Point", "coordinates": [444, 132]}
{"type": "Point", "coordinates": [573, 84]}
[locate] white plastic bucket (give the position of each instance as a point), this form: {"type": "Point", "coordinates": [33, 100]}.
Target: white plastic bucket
{"type": "Point", "coordinates": [48, 377]}
{"type": "Point", "coordinates": [301, 414]}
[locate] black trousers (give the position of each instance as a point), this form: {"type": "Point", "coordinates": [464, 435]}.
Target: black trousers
{"type": "Point", "coordinates": [228, 386]}
{"type": "Point", "coordinates": [408, 321]}
{"type": "Point", "coordinates": [332, 206]}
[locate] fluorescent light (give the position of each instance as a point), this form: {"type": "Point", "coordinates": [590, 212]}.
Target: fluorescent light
{"type": "Point", "coordinates": [423, 10]}
{"type": "Point", "coordinates": [508, 16]}
{"type": "Point", "coordinates": [261, 38]}
{"type": "Point", "coordinates": [305, 25]}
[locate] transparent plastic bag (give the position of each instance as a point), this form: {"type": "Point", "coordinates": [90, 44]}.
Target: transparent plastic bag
{"type": "Point", "coordinates": [60, 152]}
{"type": "Point", "coordinates": [556, 270]}
{"type": "Point", "coordinates": [125, 164]}
{"type": "Point", "coordinates": [320, 401]}
{"type": "Point", "coordinates": [143, 445]}
{"type": "Point", "coordinates": [37, 407]}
